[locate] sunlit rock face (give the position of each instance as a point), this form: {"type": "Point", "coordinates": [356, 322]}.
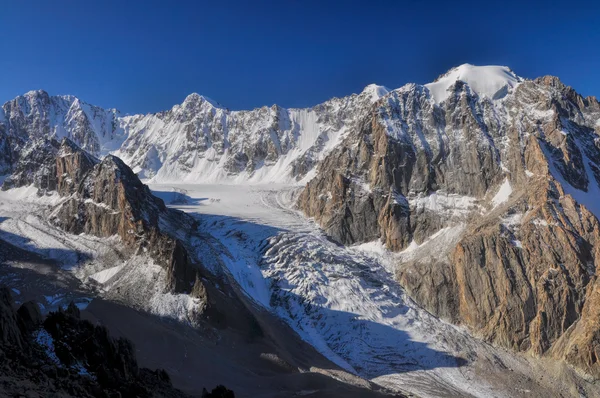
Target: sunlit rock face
{"type": "Point", "coordinates": [491, 200]}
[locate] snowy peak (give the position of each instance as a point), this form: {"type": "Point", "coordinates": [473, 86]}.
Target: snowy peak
{"type": "Point", "coordinates": [195, 98]}
{"type": "Point", "coordinates": [33, 94]}
{"type": "Point", "coordinates": [375, 91]}
{"type": "Point", "coordinates": [491, 81]}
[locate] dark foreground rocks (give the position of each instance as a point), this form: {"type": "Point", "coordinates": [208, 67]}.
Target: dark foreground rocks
{"type": "Point", "coordinates": [68, 357]}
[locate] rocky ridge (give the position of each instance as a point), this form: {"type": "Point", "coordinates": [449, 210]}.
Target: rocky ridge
{"type": "Point", "coordinates": [491, 202]}
{"type": "Point", "coordinates": [196, 140]}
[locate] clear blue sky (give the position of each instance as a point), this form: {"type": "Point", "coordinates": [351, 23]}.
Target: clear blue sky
{"type": "Point", "coordinates": [147, 56]}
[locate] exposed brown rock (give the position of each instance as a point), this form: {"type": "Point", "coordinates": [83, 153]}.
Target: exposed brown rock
{"type": "Point", "coordinates": [528, 284]}
{"type": "Point", "coordinates": [111, 200]}
{"type": "Point", "coordinates": [72, 164]}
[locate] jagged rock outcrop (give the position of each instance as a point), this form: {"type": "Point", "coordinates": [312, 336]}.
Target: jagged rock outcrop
{"type": "Point", "coordinates": [492, 202]}
{"type": "Point", "coordinates": [69, 357]}
{"type": "Point", "coordinates": [35, 166]}
{"type": "Point", "coordinates": [6, 151]}
{"type": "Point", "coordinates": [50, 165]}
{"type": "Point", "coordinates": [30, 315]}
{"type": "Point", "coordinates": [106, 198]}
{"type": "Point", "coordinates": [11, 327]}
{"type": "Point", "coordinates": [72, 165]}
{"type": "Point", "coordinates": [111, 200]}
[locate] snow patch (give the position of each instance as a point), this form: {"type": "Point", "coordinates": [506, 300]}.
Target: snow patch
{"type": "Point", "coordinates": [177, 306]}
{"type": "Point", "coordinates": [43, 338]}
{"type": "Point", "coordinates": [590, 198]}
{"type": "Point", "coordinates": [375, 92]}
{"type": "Point", "coordinates": [451, 205]}
{"type": "Point", "coordinates": [539, 221]}
{"type": "Point", "coordinates": [503, 194]}
{"type": "Point", "coordinates": [105, 275]}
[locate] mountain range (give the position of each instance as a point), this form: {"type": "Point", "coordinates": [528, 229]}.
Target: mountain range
{"type": "Point", "coordinates": [469, 201]}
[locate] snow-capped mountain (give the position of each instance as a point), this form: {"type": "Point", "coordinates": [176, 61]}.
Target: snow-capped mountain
{"type": "Point", "coordinates": [39, 115]}
{"type": "Point", "coordinates": [476, 194]}
{"type": "Point", "coordinates": [488, 186]}
{"type": "Point", "coordinates": [493, 82]}
{"type": "Point", "coordinates": [198, 140]}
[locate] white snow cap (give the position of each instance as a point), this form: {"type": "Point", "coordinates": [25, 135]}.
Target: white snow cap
{"type": "Point", "coordinates": [491, 81]}
{"type": "Point", "coordinates": [375, 91]}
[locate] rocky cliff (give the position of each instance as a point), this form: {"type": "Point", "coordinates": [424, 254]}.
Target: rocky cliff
{"type": "Point", "coordinates": [49, 165]}
{"type": "Point", "coordinates": [490, 198]}
{"type": "Point", "coordinates": [111, 200]}
{"type": "Point", "coordinates": [105, 198]}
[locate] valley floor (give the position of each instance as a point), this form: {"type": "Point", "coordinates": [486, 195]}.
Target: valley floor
{"type": "Point", "coordinates": [343, 301]}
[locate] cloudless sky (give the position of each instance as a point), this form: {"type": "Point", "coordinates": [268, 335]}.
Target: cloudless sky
{"type": "Point", "coordinates": [146, 56]}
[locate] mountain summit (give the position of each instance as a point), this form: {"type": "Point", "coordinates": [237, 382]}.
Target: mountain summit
{"type": "Point", "coordinates": [487, 81]}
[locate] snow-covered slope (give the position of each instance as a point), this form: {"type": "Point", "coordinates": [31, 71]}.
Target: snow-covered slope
{"type": "Point", "coordinates": [200, 140]}
{"type": "Point", "coordinates": [37, 114]}
{"type": "Point", "coordinates": [492, 82]}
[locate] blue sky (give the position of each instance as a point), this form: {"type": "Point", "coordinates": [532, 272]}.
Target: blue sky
{"type": "Point", "coordinates": [147, 56]}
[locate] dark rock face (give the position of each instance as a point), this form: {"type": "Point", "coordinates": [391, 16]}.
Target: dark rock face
{"type": "Point", "coordinates": [6, 152]}
{"type": "Point", "coordinates": [30, 315]}
{"type": "Point", "coordinates": [77, 341]}
{"type": "Point", "coordinates": [35, 166]}
{"type": "Point", "coordinates": [72, 165]}
{"type": "Point", "coordinates": [10, 324]}
{"type": "Point", "coordinates": [522, 271]}
{"type": "Point", "coordinates": [90, 362]}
